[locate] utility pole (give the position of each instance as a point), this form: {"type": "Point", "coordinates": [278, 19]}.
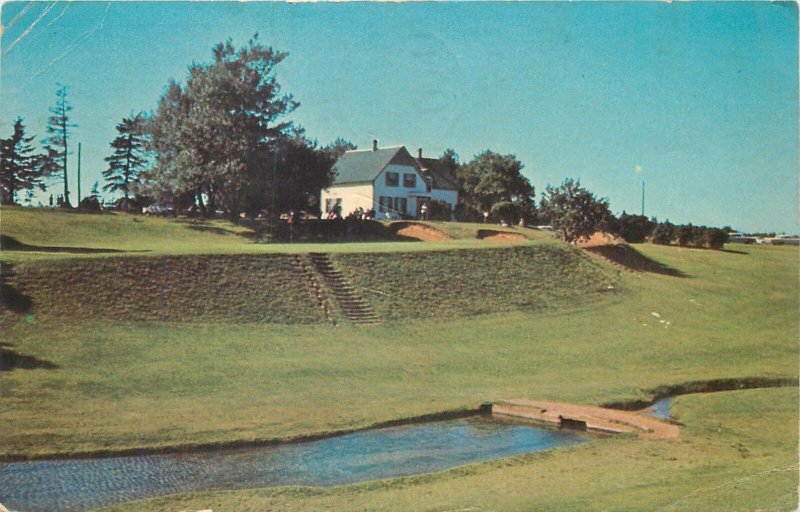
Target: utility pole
{"type": "Point", "coordinates": [642, 197]}
{"type": "Point", "coordinates": [79, 174]}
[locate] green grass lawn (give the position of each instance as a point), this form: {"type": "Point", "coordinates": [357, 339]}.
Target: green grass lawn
{"type": "Point", "coordinates": [82, 381]}
{"type": "Point", "coordinates": [736, 452]}
{"type": "Point", "coordinates": [121, 234]}
{"type": "Point", "coordinates": [148, 384]}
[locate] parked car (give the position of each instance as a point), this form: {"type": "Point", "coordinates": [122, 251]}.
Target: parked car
{"type": "Point", "coordinates": [158, 209]}
{"type": "Point", "coordinates": [299, 215]}
{"type": "Point", "coordinates": [738, 238]}
{"type": "Point", "coordinates": [786, 240]}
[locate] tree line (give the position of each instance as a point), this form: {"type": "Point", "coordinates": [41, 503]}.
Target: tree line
{"type": "Point", "coordinates": [223, 140]}
{"type": "Point", "coordinates": [220, 141]}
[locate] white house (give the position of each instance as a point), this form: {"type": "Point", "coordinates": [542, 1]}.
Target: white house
{"type": "Point", "coordinates": [390, 181]}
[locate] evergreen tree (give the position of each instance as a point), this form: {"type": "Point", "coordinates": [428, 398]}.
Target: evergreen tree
{"type": "Point", "coordinates": [56, 143]}
{"type": "Point", "coordinates": [338, 147]}
{"type": "Point", "coordinates": [19, 166]}
{"type": "Point", "coordinates": [127, 159]}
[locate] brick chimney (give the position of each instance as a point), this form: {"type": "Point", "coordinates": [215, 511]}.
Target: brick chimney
{"type": "Point", "coordinates": [374, 144]}
{"type": "Point", "coordinates": [419, 153]}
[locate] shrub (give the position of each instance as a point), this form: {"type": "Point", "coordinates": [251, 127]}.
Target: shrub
{"type": "Point", "coordinates": [466, 213]}
{"type": "Point", "coordinates": [506, 211]}
{"type": "Point", "coordinates": [663, 234]}
{"type": "Point", "coordinates": [635, 228]}
{"type": "Point", "coordinates": [439, 210]}
{"type": "Point", "coordinates": [715, 238]}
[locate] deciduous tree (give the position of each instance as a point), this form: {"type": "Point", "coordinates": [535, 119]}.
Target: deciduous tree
{"type": "Point", "coordinates": [575, 211]}
{"type": "Point", "coordinates": [635, 228]}
{"type": "Point", "coordinates": [290, 175]}
{"type": "Point", "coordinates": [210, 136]}
{"type": "Point", "coordinates": [491, 178]}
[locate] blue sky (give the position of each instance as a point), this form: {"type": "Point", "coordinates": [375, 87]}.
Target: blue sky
{"type": "Point", "coordinates": [700, 98]}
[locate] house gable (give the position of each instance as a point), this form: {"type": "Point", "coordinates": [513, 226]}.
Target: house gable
{"type": "Point", "coordinates": [387, 180]}
{"type": "Point", "coordinates": [362, 166]}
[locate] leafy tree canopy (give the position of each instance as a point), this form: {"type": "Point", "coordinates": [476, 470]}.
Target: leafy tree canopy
{"type": "Point", "coordinates": [290, 174]}
{"type": "Point", "coordinates": [209, 136]}
{"type": "Point", "coordinates": [491, 178]}
{"type": "Point", "coordinates": [575, 211]}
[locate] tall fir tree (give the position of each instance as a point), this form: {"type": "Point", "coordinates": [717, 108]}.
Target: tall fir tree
{"type": "Point", "coordinates": [19, 165]}
{"type": "Point", "coordinates": [56, 143]}
{"type": "Point", "coordinates": [127, 159]}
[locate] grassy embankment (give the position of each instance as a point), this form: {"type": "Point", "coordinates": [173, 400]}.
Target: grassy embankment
{"type": "Point", "coordinates": [104, 383]}
{"type": "Point", "coordinates": [736, 452]}
{"type": "Point", "coordinates": [56, 234]}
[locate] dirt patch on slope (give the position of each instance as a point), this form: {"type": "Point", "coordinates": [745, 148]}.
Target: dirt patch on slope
{"type": "Point", "coordinates": [599, 238]}
{"type": "Point", "coordinates": [419, 232]}
{"type": "Point", "coordinates": [493, 235]}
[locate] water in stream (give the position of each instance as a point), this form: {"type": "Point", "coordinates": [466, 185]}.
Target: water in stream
{"type": "Point", "coordinates": [660, 408]}
{"type": "Point", "coordinates": [76, 485]}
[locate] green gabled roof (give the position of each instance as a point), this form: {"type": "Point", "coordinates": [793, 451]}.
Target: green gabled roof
{"type": "Point", "coordinates": [363, 165]}
{"type": "Point", "coordinates": [443, 179]}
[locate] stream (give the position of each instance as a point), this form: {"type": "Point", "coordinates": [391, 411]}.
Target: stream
{"type": "Point", "coordinates": [83, 484]}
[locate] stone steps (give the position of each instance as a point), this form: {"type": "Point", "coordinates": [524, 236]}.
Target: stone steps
{"type": "Point", "coordinates": [353, 306]}
{"type": "Point", "coordinates": [319, 293]}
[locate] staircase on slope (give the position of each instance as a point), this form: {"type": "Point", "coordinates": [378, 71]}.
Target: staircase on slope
{"type": "Point", "coordinates": [354, 307]}
{"type": "Point", "coordinates": [319, 293]}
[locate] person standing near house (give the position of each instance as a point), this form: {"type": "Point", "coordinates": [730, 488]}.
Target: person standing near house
{"type": "Point", "coordinates": [423, 211]}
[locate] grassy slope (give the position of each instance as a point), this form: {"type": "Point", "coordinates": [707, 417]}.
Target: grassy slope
{"type": "Point", "coordinates": [208, 288]}
{"type": "Point", "coordinates": [271, 288]}
{"type": "Point", "coordinates": [122, 385]}
{"type": "Point", "coordinates": [464, 282]}
{"type": "Point", "coordinates": [737, 452]}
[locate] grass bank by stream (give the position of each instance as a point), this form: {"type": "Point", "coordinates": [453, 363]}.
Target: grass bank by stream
{"type": "Point", "coordinates": [88, 382]}
{"type": "Point", "coordinates": [736, 452]}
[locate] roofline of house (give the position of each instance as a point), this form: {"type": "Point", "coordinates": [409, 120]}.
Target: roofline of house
{"type": "Point", "coordinates": [369, 150]}
{"type": "Point", "coordinates": [351, 183]}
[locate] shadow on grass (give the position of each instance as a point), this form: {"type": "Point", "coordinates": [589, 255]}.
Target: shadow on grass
{"type": "Point", "coordinates": [715, 249]}
{"type": "Point", "coordinates": [325, 231]}
{"type": "Point", "coordinates": [8, 243]}
{"type": "Point", "coordinates": [12, 299]}
{"type": "Point", "coordinates": [214, 230]}
{"type": "Point", "coordinates": [628, 257]}
{"type": "Point", "coordinates": [10, 360]}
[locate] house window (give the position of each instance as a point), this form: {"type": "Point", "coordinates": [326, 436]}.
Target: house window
{"type": "Point", "coordinates": [400, 205]}
{"type": "Point", "coordinates": [392, 179]}
{"type": "Point", "coordinates": [409, 180]}
{"type": "Point", "coordinates": [384, 203]}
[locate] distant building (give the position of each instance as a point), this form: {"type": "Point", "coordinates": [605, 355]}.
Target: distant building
{"type": "Point", "coordinates": [390, 181]}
